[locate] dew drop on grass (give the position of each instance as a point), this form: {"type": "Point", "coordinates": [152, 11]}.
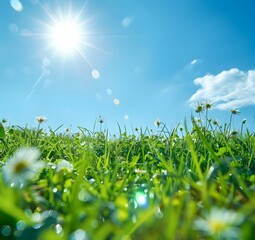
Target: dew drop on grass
{"type": "Point", "coordinates": [94, 224]}
{"type": "Point", "coordinates": [136, 178]}
{"type": "Point", "coordinates": [20, 225]}
{"type": "Point", "coordinates": [159, 214]}
{"type": "Point", "coordinates": [91, 180]}
{"type": "Point", "coordinates": [141, 199]}
{"type": "Point", "coordinates": [151, 195]}
{"type": "Point", "coordinates": [53, 167]}
{"type": "Point", "coordinates": [134, 219]}
{"type": "Point", "coordinates": [28, 212]}
{"type": "Point", "coordinates": [95, 74]}
{"type": "Point", "coordinates": [84, 196]}
{"type": "Point", "coordinates": [54, 190]}
{"type": "Point", "coordinates": [36, 217]}
{"type": "Point", "coordinates": [58, 229]}
{"type": "Point", "coordinates": [38, 226]}
{"type": "Point", "coordinates": [82, 216]}
{"type": "Point", "coordinates": [16, 5]}
{"type": "Point", "coordinates": [79, 235]}
{"type": "Point", "coordinates": [6, 230]}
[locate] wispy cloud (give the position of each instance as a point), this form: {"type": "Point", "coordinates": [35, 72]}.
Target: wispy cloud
{"type": "Point", "coordinates": [184, 73]}
{"type": "Point", "coordinates": [227, 90]}
{"type": "Point", "coordinates": [194, 61]}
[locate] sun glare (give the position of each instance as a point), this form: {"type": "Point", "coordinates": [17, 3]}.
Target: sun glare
{"type": "Point", "coordinates": [66, 31]}
{"type": "Point", "coordinates": [66, 36]}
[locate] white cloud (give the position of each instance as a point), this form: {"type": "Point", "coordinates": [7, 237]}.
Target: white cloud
{"type": "Point", "coordinates": [227, 90]}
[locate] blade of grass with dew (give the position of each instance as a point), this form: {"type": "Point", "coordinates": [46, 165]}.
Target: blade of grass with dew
{"type": "Point", "coordinates": [193, 153]}
{"type": "Point", "coordinates": [236, 178]}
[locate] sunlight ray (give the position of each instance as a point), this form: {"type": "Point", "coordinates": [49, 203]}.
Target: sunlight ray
{"type": "Point", "coordinates": [35, 84]}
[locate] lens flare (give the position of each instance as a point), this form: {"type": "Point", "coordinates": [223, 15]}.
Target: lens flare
{"type": "Point", "coordinates": [141, 199]}
{"type": "Point", "coordinates": [16, 5]}
{"type": "Point", "coordinates": [66, 36]}
{"type": "Point", "coordinates": [67, 32]}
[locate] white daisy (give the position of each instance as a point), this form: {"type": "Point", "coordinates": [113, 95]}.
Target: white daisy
{"type": "Point", "coordinates": [64, 166]}
{"type": "Point", "coordinates": [220, 222]}
{"type": "Point", "coordinates": [41, 119]}
{"type": "Point", "coordinates": [22, 167]}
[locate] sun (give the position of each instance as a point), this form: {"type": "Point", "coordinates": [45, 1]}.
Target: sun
{"type": "Point", "coordinates": [66, 36]}
{"type": "Point", "coordinates": [66, 31]}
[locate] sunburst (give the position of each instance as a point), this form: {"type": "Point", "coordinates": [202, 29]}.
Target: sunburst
{"type": "Point", "coordinates": [66, 32]}
{"type": "Point", "coordinates": [66, 36]}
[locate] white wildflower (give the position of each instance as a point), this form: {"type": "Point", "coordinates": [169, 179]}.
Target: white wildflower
{"type": "Point", "coordinates": [22, 167]}
{"type": "Point", "coordinates": [220, 222]}
{"type": "Point", "coordinates": [41, 119]}
{"type": "Point", "coordinates": [64, 166]}
{"type": "Point", "coordinates": [157, 122]}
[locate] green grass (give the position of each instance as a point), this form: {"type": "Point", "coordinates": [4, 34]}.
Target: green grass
{"type": "Point", "coordinates": [196, 183]}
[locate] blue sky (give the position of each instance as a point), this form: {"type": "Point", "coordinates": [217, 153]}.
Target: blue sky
{"type": "Point", "coordinates": [135, 61]}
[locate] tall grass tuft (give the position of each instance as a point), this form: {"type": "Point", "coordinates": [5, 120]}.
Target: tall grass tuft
{"type": "Point", "coordinates": [193, 182]}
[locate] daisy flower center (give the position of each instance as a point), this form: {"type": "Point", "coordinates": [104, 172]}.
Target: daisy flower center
{"type": "Point", "coordinates": [217, 226]}
{"type": "Point", "coordinates": [20, 167]}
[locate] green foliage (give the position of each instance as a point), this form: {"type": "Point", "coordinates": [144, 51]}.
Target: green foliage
{"type": "Point", "coordinates": [178, 184]}
{"type": "Point", "coordinates": [2, 132]}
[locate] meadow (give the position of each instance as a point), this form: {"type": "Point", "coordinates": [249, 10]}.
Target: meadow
{"type": "Point", "coordinates": [180, 183]}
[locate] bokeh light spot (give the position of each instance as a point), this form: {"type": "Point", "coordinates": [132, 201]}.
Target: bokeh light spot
{"type": "Point", "coordinates": [20, 225]}
{"type": "Point", "coordinates": [95, 74]}
{"type": "Point", "coordinates": [16, 5]}
{"type": "Point", "coordinates": [116, 101]}
{"type": "Point", "coordinates": [141, 199]}
{"type": "Point", "coordinates": [46, 62]}
{"type": "Point", "coordinates": [79, 235]}
{"type": "Point", "coordinates": [13, 28]}
{"type": "Point", "coordinates": [109, 91]}
{"type": "Point", "coordinates": [126, 22]}
{"type": "Point", "coordinates": [58, 229]}
{"type": "Point", "coordinates": [6, 230]}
